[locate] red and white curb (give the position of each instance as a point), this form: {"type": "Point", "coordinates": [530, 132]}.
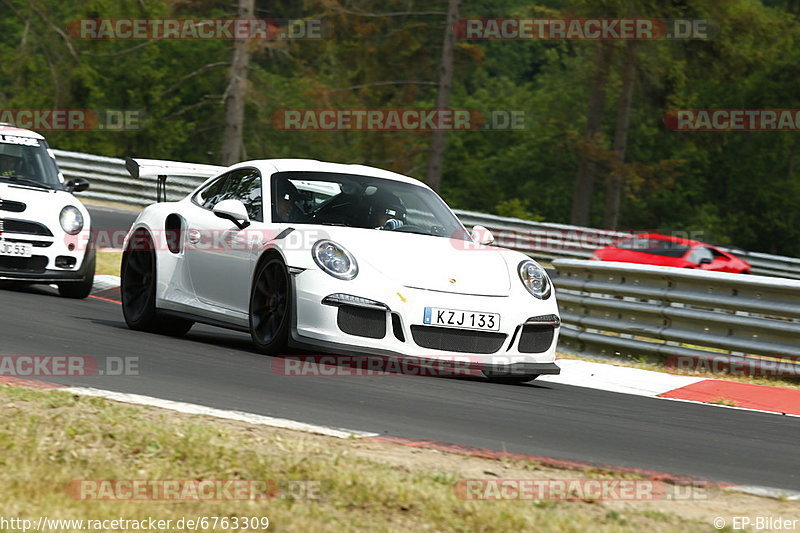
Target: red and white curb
{"type": "Point", "coordinates": [716, 392]}
{"type": "Point", "coordinates": [103, 282]}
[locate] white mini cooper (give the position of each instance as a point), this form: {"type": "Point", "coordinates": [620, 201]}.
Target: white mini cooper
{"type": "Point", "coordinates": [44, 229]}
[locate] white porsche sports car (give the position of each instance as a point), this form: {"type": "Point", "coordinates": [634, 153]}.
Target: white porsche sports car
{"type": "Point", "coordinates": [338, 258]}
{"type": "Point", "coordinates": [45, 232]}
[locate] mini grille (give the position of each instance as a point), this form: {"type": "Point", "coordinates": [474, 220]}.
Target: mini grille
{"type": "Point", "coordinates": [12, 225]}
{"type": "Point", "coordinates": [35, 244]}
{"type": "Point", "coordinates": [11, 205]}
{"type": "Point", "coordinates": [35, 264]}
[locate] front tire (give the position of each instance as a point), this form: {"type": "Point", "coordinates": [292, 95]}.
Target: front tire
{"type": "Point", "coordinates": [81, 289]}
{"type": "Point", "coordinates": [270, 307]}
{"type": "Point", "coordinates": [138, 290]}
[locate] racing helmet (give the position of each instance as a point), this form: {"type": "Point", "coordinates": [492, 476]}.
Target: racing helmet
{"type": "Point", "coordinates": [285, 190]}
{"type": "Point", "coordinates": [385, 205]}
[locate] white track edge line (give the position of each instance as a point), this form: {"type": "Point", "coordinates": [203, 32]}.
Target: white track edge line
{"type": "Point", "coordinates": [195, 409]}
{"type": "Point", "coordinates": [767, 492]}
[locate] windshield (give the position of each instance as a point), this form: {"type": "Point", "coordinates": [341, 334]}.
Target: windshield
{"type": "Point", "coordinates": [25, 158]}
{"type": "Point", "coordinates": [361, 202]}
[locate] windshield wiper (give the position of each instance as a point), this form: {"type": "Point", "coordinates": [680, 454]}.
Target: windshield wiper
{"type": "Point", "coordinates": [26, 181]}
{"type": "Point", "coordinates": [415, 232]}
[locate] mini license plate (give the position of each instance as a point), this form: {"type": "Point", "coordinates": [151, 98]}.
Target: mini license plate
{"type": "Point", "coordinates": [16, 249]}
{"type": "Point", "coordinates": [456, 318]}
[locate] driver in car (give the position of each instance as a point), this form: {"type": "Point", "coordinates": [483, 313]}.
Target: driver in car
{"type": "Point", "coordinates": [9, 165]}
{"type": "Point", "coordinates": [386, 211]}
{"type": "Point", "coordinates": [286, 198]}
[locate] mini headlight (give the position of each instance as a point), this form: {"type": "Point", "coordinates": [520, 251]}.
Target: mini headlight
{"type": "Point", "coordinates": [334, 259]}
{"type": "Point", "coordinates": [71, 220]}
{"type": "Point", "coordinates": [535, 279]}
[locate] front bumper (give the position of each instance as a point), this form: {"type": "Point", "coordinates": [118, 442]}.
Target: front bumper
{"type": "Point", "coordinates": [40, 268]}
{"type": "Point", "coordinates": [318, 326]}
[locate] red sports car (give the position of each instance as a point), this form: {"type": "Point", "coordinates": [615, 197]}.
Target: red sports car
{"type": "Point", "coordinates": [663, 250]}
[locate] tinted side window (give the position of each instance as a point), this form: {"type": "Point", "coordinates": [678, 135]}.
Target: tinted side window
{"type": "Point", "coordinates": [209, 196]}
{"type": "Point", "coordinates": [653, 246]}
{"type": "Point", "coordinates": [245, 186]}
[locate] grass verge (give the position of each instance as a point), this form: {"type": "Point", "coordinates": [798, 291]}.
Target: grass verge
{"type": "Point", "coordinates": [51, 438]}
{"type": "Point", "coordinates": [108, 262]}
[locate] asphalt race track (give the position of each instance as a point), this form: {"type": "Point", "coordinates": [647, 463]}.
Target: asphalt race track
{"type": "Point", "coordinates": [217, 368]}
{"type": "Point", "coordinates": [112, 222]}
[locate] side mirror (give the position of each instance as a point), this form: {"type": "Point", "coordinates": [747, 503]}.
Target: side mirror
{"type": "Point", "coordinates": [482, 235]}
{"type": "Point", "coordinates": [76, 185]}
{"type": "Point", "coordinates": [233, 210]}
{"type": "Point", "coordinates": [705, 261]}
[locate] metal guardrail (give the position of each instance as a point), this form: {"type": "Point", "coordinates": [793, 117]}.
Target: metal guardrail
{"type": "Point", "coordinates": [627, 310]}
{"type": "Point", "coordinates": [770, 265]}
{"type": "Point", "coordinates": [544, 241]}
{"type": "Point", "coordinates": [111, 182]}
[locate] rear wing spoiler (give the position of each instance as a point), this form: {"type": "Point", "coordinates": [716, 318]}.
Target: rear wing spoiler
{"type": "Point", "coordinates": [161, 169]}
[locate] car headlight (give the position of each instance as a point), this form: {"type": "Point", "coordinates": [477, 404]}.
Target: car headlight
{"type": "Point", "coordinates": [71, 220]}
{"type": "Point", "coordinates": [535, 279]}
{"type": "Point", "coordinates": [334, 259]}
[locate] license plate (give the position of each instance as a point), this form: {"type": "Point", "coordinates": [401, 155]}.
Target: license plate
{"type": "Point", "coordinates": [455, 318]}
{"type": "Point", "coordinates": [16, 249]}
